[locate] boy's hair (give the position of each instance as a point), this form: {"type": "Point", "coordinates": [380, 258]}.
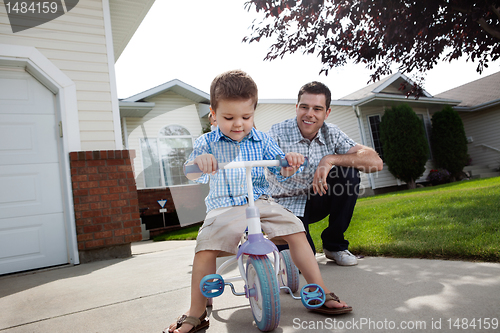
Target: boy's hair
{"type": "Point", "coordinates": [316, 88]}
{"type": "Point", "coordinates": [232, 85]}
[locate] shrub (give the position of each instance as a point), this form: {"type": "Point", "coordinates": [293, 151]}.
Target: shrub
{"type": "Point", "coordinates": [438, 176]}
{"type": "Point", "coordinates": [404, 143]}
{"type": "Point", "coordinates": [448, 141]}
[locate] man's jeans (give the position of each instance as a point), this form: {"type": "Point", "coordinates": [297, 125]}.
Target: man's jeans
{"type": "Point", "coordinates": [338, 202]}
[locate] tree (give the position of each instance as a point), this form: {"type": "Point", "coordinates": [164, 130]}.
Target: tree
{"type": "Point", "coordinates": [403, 141]}
{"type": "Point", "coordinates": [414, 34]}
{"type": "Point", "coordinates": [448, 141]}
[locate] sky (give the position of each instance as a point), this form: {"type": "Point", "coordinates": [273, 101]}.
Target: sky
{"type": "Point", "coordinates": [196, 40]}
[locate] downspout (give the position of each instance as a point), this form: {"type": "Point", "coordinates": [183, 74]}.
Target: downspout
{"type": "Point", "coordinates": [357, 112]}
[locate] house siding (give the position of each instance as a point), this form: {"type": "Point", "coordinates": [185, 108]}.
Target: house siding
{"type": "Point", "coordinates": [76, 44]}
{"type": "Point", "coordinates": [266, 115]}
{"type": "Point", "coordinates": [483, 126]}
{"type": "Point", "coordinates": [343, 116]}
{"type": "Point", "coordinates": [170, 109]}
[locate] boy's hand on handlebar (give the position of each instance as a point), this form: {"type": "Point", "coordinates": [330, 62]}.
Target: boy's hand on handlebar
{"type": "Point", "coordinates": [207, 163]}
{"type": "Point", "coordinates": [295, 160]}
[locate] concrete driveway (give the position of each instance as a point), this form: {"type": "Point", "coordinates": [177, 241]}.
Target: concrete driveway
{"type": "Point", "coordinates": [148, 291]}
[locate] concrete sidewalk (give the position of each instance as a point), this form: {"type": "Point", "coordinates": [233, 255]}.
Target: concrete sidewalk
{"type": "Point", "coordinates": [148, 291]}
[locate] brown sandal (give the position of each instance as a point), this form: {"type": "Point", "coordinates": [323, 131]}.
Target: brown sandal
{"type": "Point", "coordinates": [332, 311]}
{"type": "Point", "coordinates": [198, 323]}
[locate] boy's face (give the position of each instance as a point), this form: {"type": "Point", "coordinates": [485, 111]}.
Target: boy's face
{"type": "Point", "coordinates": [311, 114]}
{"type": "Point", "coordinates": [235, 118]}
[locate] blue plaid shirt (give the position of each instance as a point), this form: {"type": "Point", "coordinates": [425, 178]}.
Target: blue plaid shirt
{"type": "Point", "coordinates": [228, 187]}
{"type": "Point", "coordinates": [292, 193]}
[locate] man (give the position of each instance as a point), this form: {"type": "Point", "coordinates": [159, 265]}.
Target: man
{"type": "Point", "coordinates": [329, 185]}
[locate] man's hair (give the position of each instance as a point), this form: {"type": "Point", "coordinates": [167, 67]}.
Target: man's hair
{"type": "Point", "coordinates": [232, 85]}
{"type": "Point", "coordinates": [316, 88]}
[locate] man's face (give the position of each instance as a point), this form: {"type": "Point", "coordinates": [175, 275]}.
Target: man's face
{"type": "Point", "coordinates": [311, 114]}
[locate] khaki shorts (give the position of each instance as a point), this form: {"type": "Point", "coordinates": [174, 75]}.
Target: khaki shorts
{"type": "Point", "coordinates": [223, 227]}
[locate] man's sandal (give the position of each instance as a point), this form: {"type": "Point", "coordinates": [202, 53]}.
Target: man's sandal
{"type": "Point", "coordinates": [332, 311]}
{"type": "Point", "coordinates": [198, 323]}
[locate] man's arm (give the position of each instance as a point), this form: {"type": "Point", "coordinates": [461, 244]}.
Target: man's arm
{"type": "Point", "coordinates": [361, 157]}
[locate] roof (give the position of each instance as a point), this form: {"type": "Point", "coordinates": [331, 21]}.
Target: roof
{"type": "Point", "coordinates": [388, 90]}
{"type": "Point", "coordinates": [477, 94]}
{"type": "Point", "coordinates": [365, 92]}
{"type": "Point", "coordinates": [138, 106]}
{"type": "Point", "coordinates": [126, 16]}
{"type": "Point", "coordinates": [389, 85]}
{"type": "Point", "coordinates": [177, 86]}
{"type": "Point", "coordinates": [384, 91]}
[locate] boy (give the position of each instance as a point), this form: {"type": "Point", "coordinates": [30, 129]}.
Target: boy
{"type": "Point", "coordinates": [233, 99]}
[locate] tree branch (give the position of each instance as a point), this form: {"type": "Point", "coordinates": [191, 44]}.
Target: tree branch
{"type": "Point", "coordinates": [488, 28]}
{"type": "Point", "coordinates": [496, 10]}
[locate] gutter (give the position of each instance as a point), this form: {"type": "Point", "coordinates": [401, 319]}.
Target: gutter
{"type": "Point", "coordinates": [399, 98]}
{"type": "Point", "coordinates": [477, 107]}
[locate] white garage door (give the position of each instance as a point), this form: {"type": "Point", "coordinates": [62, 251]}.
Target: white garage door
{"type": "Point", "coordinates": [32, 226]}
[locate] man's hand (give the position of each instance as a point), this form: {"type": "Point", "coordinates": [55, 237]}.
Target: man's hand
{"type": "Point", "coordinates": [295, 160]}
{"type": "Point", "coordinates": [319, 183]}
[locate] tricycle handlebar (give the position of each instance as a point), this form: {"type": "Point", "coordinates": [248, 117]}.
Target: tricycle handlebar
{"type": "Point", "coordinates": [281, 162]}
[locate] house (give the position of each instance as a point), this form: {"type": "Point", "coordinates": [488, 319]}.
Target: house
{"type": "Point", "coordinates": [359, 115]}
{"type": "Point", "coordinates": [160, 125]}
{"type": "Point", "coordinates": [479, 109]}
{"type": "Point", "coordinates": [67, 191]}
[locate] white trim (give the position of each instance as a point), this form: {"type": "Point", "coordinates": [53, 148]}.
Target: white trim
{"type": "Point", "coordinates": [394, 78]}
{"type": "Point", "coordinates": [166, 86]}
{"type": "Point", "coordinates": [294, 102]}
{"type": "Point", "coordinates": [125, 132]}
{"type": "Point", "coordinates": [55, 80]}
{"type": "Point", "coordinates": [477, 107]}
{"type": "Point", "coordinates": [387, 83]}
{"type": "Point", "coordinates": [401, 98]}
{"type": "Point", "coordinates": [372, 181]}
{"type": "Point", "coordinates": [357, 112]}
{"type": "Point", "coordinates": [112, 76]}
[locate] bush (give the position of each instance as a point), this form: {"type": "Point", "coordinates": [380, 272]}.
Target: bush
{"type": "Point", "coordinates": [404, 143]}
{"type": "Point", "coordinates": [448, 141]}
{"type": "Point", "coordinates": [438, 176]}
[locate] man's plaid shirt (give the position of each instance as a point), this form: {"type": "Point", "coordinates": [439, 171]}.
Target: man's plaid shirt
{"type": "Point", "coordinates": [292, 193]}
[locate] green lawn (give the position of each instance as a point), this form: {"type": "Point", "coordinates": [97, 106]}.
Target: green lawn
{"type": "Point", "coordinates": [187, 233]}
{"type": "Point", "coordinates": [454, 221]}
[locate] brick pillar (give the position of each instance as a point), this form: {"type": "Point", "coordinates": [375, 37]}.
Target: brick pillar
{"type": "Point", "coordinates": [106, 205]}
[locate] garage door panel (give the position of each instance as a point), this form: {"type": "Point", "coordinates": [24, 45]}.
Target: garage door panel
{"type": "Point", "coordinates": [32, 242]}
{"type": "Point", "coordinates": [29, 190]}
{"type": "Point", "coordinates": [27, 139]}
{"type": "Point", "coordinates": [20, 93]}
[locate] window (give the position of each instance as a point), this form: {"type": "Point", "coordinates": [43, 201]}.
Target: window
{"type": "Point", "coordinates": [163, 157]}
{"type": "Point", "coordinates": [374, 122]}
{"type": "Point", "coordinates": [421, 117]}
